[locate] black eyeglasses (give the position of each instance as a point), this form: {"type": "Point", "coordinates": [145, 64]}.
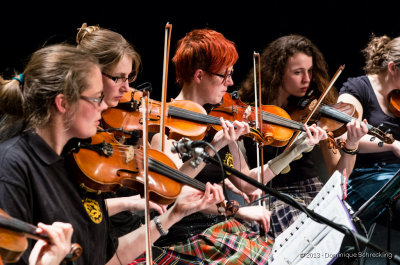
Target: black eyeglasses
{"type": "Point", "coordinates": [225, 77]}
{"type": "Point", "coordinates": [93, 99]}
{"type": "Point", "coordinates": [120, 79]}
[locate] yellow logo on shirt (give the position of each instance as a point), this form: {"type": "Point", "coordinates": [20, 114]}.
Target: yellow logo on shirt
{"type": "Point", "coordinates": [93, 209]}
{"type": "Point", "coordinates": [228, 160]}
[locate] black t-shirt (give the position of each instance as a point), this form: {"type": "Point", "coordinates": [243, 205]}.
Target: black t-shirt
{"type": "Point", "coordinates": [360, 87]}
{"type": "Point", "coordinates": [35, 186]}
{"type": "Point", "coordinates": [122, 222]}
{"type": "Point", "coordinates": [197, 222]}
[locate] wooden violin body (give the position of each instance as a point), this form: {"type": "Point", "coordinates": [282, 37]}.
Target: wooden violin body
{"type": "Point", "coordinates": [278, 127]}
{"type": "Point", "coordinates": [189, 119]}
{"type": "Point", "coordinates": [394, 102]}
{"type": "Point", "coordinates": [105, 165]}
{"type": "Point", "coordinates": [184, 119]}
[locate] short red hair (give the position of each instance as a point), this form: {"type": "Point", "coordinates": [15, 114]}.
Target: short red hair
{"type": "Point", "coordinates": [203, 49]}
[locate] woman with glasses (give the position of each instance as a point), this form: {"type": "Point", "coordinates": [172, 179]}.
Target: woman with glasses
{"type": "Point", "coordinates": [119, 63]}
{"type": "Point", "coordinates": [58, 97]}
{"type": "Point", "coordinates": [291, 67]}
{"type": "Point", "coordinates": [204, 61]}
{"type": "Point", "coordinates": [371, 94]}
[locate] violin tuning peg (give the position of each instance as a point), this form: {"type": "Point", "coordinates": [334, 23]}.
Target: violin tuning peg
{"type": "Point", "coordinates": [388, 131]}
{"type": "Point", "coordinates": [380, 144]}
{"type": "Point", "coordinates": [380, 125]}
{"type": "Point", "coordinates": [372, 138]}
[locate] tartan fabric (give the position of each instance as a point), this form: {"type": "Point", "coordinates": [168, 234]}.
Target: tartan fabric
{"type": "Point", "coordinates": [229, 242]}
{"type": "Point", "coordinates": [164, 256]}
{"type": "Point", "coordinates": [283, 215]}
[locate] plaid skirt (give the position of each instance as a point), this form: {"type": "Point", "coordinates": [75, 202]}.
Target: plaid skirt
{"type": "Point", "coordinates": [283, 215]}
{"type": "Point", "coordinates": [164, 256]}
{"type": "Point", "coordinates": [229, 242]}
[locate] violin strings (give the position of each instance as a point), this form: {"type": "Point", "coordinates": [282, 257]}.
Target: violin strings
{"type": "Point", "coordinates": [187, 114]}
{"type": "Point", "coordinates": [215, 120]}
{"type": "Point", "coordinates": [333, 113]}
{"type": "Point", "coordinates": [282, 121]}
{"type": "Point", "coordinates": [177, 175]}
{"type": "Point", "coordinates": [171, 172]}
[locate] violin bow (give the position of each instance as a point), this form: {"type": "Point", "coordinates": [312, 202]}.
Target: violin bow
{"type": "Point", "coordinates": [167, 41]}
{"type": "Point", "coordinates": [258, 114]}
{"type": "Point", "coordinates": [318, 103]}
{"type": "Point", "coordinates": [145, 114]}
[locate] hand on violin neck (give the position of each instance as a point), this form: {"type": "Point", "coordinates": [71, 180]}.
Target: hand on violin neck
{"type": "Point", "coordinates": [231, 132]}
{"type": "Point", "coordinates": [315, 134]}
{"type": "Point", "coordinates": [191, 200]}
{"type": "Point", "coordinates": [356, 129]}
{"type": "Point", "coordinates": [52, 253]}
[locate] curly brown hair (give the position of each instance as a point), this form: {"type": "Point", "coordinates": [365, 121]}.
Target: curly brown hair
{"type": "Point", "coordinates": [379, 52]}
{"type": "Point", "coordinates": [273, 62]}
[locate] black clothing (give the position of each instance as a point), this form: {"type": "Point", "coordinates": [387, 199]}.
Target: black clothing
{"type": "Point", "coordinates": [35, 186]}
{"type": "Point", "coordinates": [197, 222]}
{"type": "Point", "coordinates": [361, 88]}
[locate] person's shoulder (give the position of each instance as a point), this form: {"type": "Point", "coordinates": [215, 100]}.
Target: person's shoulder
{"type": "Point", "coordinates": [9, 147]}
{"type": "Point", "coordinates": [354, 84]}
{"type": "Point", "coordinates": [358, 80]}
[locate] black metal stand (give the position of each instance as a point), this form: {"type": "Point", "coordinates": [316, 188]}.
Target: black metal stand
{"type": "Point", "coordinates": [310, 213]}
{"type": "Point", "coordinates": [384, 198]}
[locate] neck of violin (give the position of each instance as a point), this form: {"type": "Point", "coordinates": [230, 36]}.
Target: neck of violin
{"type": "Point", "coordinates": [21, 227]}
{"type": "Point", "coordinates": [278, 120]}
{"type": "Point", "coordinates": [193, 116]}
{"type": "Point", "coordinates": [174, 174]}
{"type": "Point", "coordinates": [338, 115]}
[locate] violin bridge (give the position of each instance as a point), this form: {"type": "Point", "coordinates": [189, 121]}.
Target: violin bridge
{"type": "Point", "coordinates": [129, 154]}
{"type": "Point", "coordinates": [247, 112]}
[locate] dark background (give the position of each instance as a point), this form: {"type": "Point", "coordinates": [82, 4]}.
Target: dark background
{"type": "Point", "coordinates": [340, 29]}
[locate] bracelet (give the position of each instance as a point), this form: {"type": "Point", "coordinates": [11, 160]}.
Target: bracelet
{"type": "Point", "coordinates": [350, 152]}
{"type": "Point", "coordinates": [159, 227]}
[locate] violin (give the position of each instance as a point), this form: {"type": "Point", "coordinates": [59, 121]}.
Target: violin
{"type": "Point", "coordinates": [394, 102]}
{"type": "Point", "coordinates": [188, 119]}
{"type": "Point", "coordinates": [333, 118]}
{"type": "Point", "coordinates": [277, 127]}
{"type": "Point", "coordinates": [105, 165]}
{"type": "Point", "coordinates": [13, 239]}
{"type": "Point", "coordinates": [185, 118]}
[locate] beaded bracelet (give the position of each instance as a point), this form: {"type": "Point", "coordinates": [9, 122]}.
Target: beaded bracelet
{"type": "Point", "coordinates": [350, 152]}
{"type": "Point", "coordinates": [159, 227]}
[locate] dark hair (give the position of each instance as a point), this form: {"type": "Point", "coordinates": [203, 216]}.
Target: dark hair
{"type": "Point", "coordinates": [273, 62]}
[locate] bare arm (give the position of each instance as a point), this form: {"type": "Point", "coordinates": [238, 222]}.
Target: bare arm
{"type": "Point", "coordinates": [365, 144]}
{"type": "Point", "coordinates": [189, 201]}
{"type": "Point", "coordinates": [343, 161]}
{"type": "Point", "coordinates": [131, 203]}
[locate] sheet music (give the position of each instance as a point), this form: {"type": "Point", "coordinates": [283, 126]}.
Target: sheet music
{"type": "Point", "coordinates": [309, 242]}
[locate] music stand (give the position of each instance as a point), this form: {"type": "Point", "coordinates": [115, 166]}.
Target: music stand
{"type": "Point", "coordinates": [382, 200]}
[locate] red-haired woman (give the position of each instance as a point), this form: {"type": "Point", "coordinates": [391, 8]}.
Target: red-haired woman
{"type": "Point", "coordinates": [204, 62]}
